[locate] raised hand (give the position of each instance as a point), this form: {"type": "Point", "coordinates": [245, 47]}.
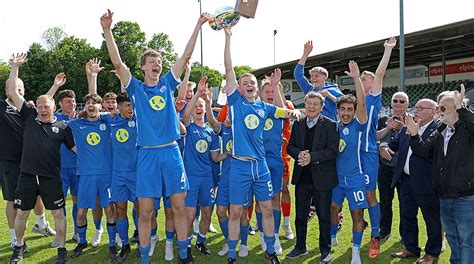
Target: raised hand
{"type": "Point", "coordinates": [294, 114]}
{"type": "Point", "coordinates": [204, 18]}
{"type": "Point", "coordinates": [390, 43]}
{"type": "Point", "coordinates": [95, 65]}
{"type": "Point", "coordinates": [202, 85]}
{"type": "Point", "coordinates": [459, 97]}
{"type": "Point", "coordinates": [353, 70]}
{"type": "Point", "coordinates": [88, 68]}
{"type": "Point", "coordinates": [412, 126]}
{"type": "Point", "coordinates": [187, 68]}
{"type": "Point", "coordinates": [106, 20]}
{"type": "Point", "coordinates": [18, 59]}
{"type": "Point", "coordinates": [308, 47]}
{"type": "Point", "coordinates": [179, 105]}
{"type": "Point", "coordinates": [60, 79]}
{"type": "Point", "coordinates": [275, 77]}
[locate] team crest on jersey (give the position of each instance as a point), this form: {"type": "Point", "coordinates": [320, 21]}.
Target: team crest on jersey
{"type": "Point", "coordinates": [268, 124]}
{"type": "Point", "coordinates": [228, 146]}
{"type": "Point", "coordinates": [93, 138]}
{"type": "Point", "coordinates": [342, 145]}
{"type": "Point", "coordinates": [157, 102]}
{"type": "Point", "coordinates": [162, 89]}
{"type": "Point", "coordinates": [102, 127]}
{"type": "Point", "coordinates": [121, 135]}
{"type": "Point", "coordinates": [55, 129]}
{"type": "Point", "coordinates": [251, 121]}
{"type": "Point", "coordinates": [261, 113]}
{"type": "Point", "coordinates": [345, 131]}
{"type": "Point", "coordinates": [209, 139]}
{"type": "Point", "coordinates": [201, 146]}
{"type": "Point", "coordinates": [131, 123]}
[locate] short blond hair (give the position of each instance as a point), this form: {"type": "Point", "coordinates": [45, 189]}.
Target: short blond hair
{"type": "Point", "coordinates": [149, 53]}
{"type": "Point", "coordinates": [248, 74]}
{"type": "Point", "coordinates": [45, 96]}
{"type": "Point", "coordinates": [319, 69]}
{"type": "Point", "coordinates": [371, 74]}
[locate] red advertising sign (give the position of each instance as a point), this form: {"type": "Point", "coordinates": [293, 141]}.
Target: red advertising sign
{"type": "Point", "coordinates": [453, 68]}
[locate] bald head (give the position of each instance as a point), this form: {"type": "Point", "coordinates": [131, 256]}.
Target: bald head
{"type": "Point", "coordinates": [425, 111]}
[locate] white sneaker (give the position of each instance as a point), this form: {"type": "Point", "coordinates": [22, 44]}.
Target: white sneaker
{"type": "Point", "coordinates": [333, 241]}
{"type": "Point", "coordinates": [262, 241]}
{"type": "Point", "coordinates": [13, 243]}
{"type": "Point", "coordinates": [224, 250]}
{"type": "Point", "coordinates": [243, 251]}
{"type": "Point", "coordinates": [97, 237]}
{"type": "Point", "coordinates": [118, 241]}
{"type": "Point", "coordinates": [212, 229]}
{"type": "Point", "coordinates": [153, 241]}
{"type": "Point", "coordinates": [356, 256]}
{"type": "Point", "coordinates": [196, 226]}
{"type": "Point", "coordinates": [288, 232]}
{"type": "Point", "coordinates": [277, 245]}
{"type": "Point", "coordinates": [45, 231]}
{"type": "Point", "coordinates": [327, 259]}
{"type": "Point", "coordinates": [169, 255]}
{"type": "Point", "coordinates": [55, 242]}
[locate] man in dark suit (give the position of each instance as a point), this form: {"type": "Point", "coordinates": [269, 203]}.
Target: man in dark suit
{"type": "Point", "coordinates": [413, 175]}
{"type": "Point", "coordinates": [314, 145]}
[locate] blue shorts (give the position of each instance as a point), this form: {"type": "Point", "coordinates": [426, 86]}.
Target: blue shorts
{"type": "Point", "coordinates": [160, 172]}
{"type": "Point", "coordinates": [355, 197]}
{"type": "Point", "coordinates": [70, 180]}
{"type": "Point", "coordinates": [167, 202]}
{"type": "Point", "coordinates": [223, 192]}
{"type": "Point", "coordinates": [370, 166]}
{"type": "Point", "coordinates": [216, 172]}
{"type": "Point", "coordinates": [249, 176]}
{"type": "Point", "coordinates": [201, 191]}
{"type": "Point", "coordinates": [91, 187]}
{"type": "Point", "coordinates": [124, 185]}
{"type": "Point", "coordinates": [275, 166]}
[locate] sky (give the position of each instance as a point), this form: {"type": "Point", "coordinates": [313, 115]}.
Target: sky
{"type": "Point", "coordinates": [330, 24]}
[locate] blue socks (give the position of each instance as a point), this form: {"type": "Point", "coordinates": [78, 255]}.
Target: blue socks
{"type": "Point", "coordinates": [112, 231]}
{"type": "Point", "coordinates": [74, 216]}
{"type": "Point", "coordinates": [225, 228]}
{"type": "Point", "coordinates": [182, 248]}
{"type": "Point", "coordinates": [357, 236]}
{"type": "Point", "coordinates": [98, 223]}
{"type": "Point", "coordinates": [144, 254]}
{"type": "Point", "coordinates": [333, 231]}
{"type": "Point", "coordinates": [200, 238]}
{"type": "Point", "coordinates": [270, 241]}
{"type": "Point", "coordinates": [374, 214]}
{"type": "Point", "coordinates": [244, 233]}
{"type": "Point", "coordinates": [153, 232]}
{"type": "Point", "coordinates": [277, 220]}
{"type": "Point", "coordinates": [81, 231]}
{"type": "Point", "coordinates": [232, 245]}
{"type": "Point", "coordinates": [259, 221]}
{"type": "Point", "coordinates": [169, 236]}
{"type": "Point", "coordinates": [122, 229]}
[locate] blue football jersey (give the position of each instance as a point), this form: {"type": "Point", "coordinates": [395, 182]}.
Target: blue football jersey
{"type": "Point", "coordinates": [92, 140]}
{"type": "Point", "coordinates": [68, 158]}
{"type": "Point", "coordinates": [247, 122]}
{"type": "Point", "coordinates": [226, 135]}
{"type": "Point", "coordinates": [369, 137]}
{"type": "Point", "coordinates": [348, 161]}
{"type": "Point", "coordinates": [156, 117]}
{"type": "Point", "coordinates": [273, 137]}
{"type": "Point", "coordinates": [124, 142]}
{"type": "Point", "coordinates": [198, 144]}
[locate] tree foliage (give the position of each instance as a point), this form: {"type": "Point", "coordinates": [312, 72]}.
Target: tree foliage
{"type": "Point", "coordinates": [239, 70]}
{"type": "Point", "coordinates": [164, 45]}
{"type": "Point", "coordinates": [215, 77]}
{"type": "Point", "coordinates": [52, 36]}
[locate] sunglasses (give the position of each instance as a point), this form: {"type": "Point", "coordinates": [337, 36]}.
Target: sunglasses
{"type": "Point", "coordinates": [396, 101]}
{"type": "Point", "coordinates": [442, 108]}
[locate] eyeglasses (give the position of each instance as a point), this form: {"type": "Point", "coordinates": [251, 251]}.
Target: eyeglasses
{"type": "Point", "coordinates": [442, 108]}
{"type": "Point", "coordinates": [396, 101]}
{"type": "Point", "coordinates": [421, 108]}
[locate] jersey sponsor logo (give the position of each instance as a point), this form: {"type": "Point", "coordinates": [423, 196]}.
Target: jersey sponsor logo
{"type": "Point", "coordinates": [342, 145]}
{"type": "Point", "coordinates": [345, 131]}
{"type": "Point", "coordinates": [93, 138]}
{"type": "Point", "coordinates": [102, 127]}
{"type": "Point", "coordinates": [268, 124]}
{"type": "Point", "coordinates": [201, 146]}
{"type": "Point", "coordinates": [55, 129]}
{"type": "Point", "coordinates": [157, 103]}
{"type": "Point", "coordinates": [251, 121]}
{"type": "Point", "coordinates": [131, 123]}
{"type": "Point", "coordinates": [121, 135]}
{"type": "Point", "coordinates": [228, 146]}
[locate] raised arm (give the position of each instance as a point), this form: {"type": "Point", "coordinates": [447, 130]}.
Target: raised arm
{"type": "Point", "coordinates": [59, 81]}
{"type": "Point", "coordinates": [92, 70]}
{"type": "Point", "coordinates": [207, 96]}
{"type": "Point", "coordinates": [13, 82]}
{"type": "Point", "coordinates": [122, 70]}
{"type": "Point", "coordinates": [308, 47]}
{"type": "Point", "coordinates": [188, 51]}
{"type": "Point", "coordinates": [354, 73]}
{"type": "Point", "coordinates": [230, 79]}
{"type": "Point", "coordinates": [190, 107]}
{"type": "Point", "coordinates": [298, 73]}
{"type": "Point", "coordinates": [184, 84]}
{"type": "Point", "coordinates": [274, 81]}
{"type": "Point", "coordinates": [380, 72]}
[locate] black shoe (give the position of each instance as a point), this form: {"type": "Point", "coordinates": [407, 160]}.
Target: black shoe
{"type": "Point", "coordinates": [123, 253]}
{"type": "Point", "coordinates": [203, 248]}
{"type": "Point", "coordinates": [185, 261]}
{"type": "Point", "coordinates": [62, 256]}
{"type": "Point", "coordinates": [78, 250]}
{"type": "Point", "coordinates": [296, 253]}
{"type": "Point", "coordinates": [113, 253]}
{"type": "Point", "coordinates": [135, 237]}
{"type": "Point", "coordinates": [231, 260]}
{"type": "Point", "coordinates": [190, 258]}
{"type": "Point", "coordinates": [17, 255]}
{"type": "Point", "coordinates": [272, 258]}
{"type": "Point", "coordinates": [311, 214]}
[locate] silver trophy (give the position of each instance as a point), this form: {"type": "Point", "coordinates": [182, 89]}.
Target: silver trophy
{"type": "Point", "coordinates": [224, 17]}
